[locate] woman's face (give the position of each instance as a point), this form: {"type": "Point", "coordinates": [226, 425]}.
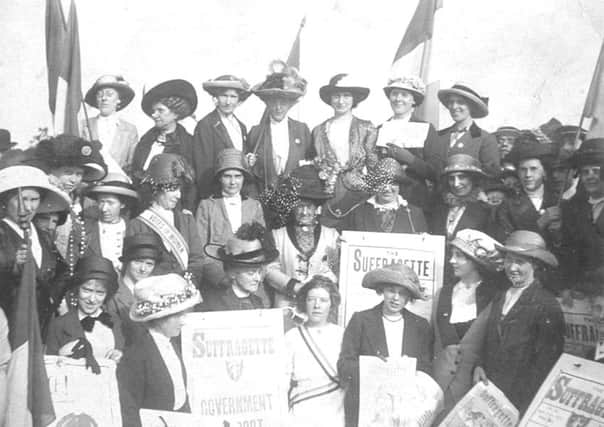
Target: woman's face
{"type": "Point", "coordinates": [462, 265]}
{"type": "Point", "coordinates": [164, 118]}
{"type": "Point", "coordinates": [401, 101]}
{"type": "Point", "coordinates": [110, 207]}
{"type": "Point", "coordinates": [108, 99]}
{"type": "Point", "coordinates": [91, 296]}
{"type": "Point", "coordinates": [231, 182]}
{"type": "Point", "coordinates": [170, 326]}
{"type": "Point", "coordinates": [505, 143]}
{"type": "Point", "coordinates": [460, 183]}
{"type": "Point", "coordinates": [31, 201]}
{"type": "Point", "coordinates": [342, 103]}
{"type": "Point", "coordinates": [318, 304]}
{"type": "Point", "coordinates": [519, 270]}
{"type": "Point", "coordinates": [248, 278]}
{"type": "Point", "coordinates": [227, 101]}
{"type": "Point", "coordinates": [592, 180]}
{"type": "Point", "coordinates": [47, 222]}
{"type": "Point", "coordinates": [458, 108]}
{"type": "Point", "coordinates": [68, 177]}
{"type": "Point", "coordinates": [278, 107]}
{"type": "Point", "coordinates": [138, 269]}
{"type": "Point", "coordinates": [306, 213]}
{"type": "Point", "coordinates": [389, 194]}
{"type": "Point", "coordinates": [167, 199]}
{"type": "Point", "coordinates": [395, 299]}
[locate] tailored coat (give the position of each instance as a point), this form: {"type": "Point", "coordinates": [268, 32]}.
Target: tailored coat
{"type": "Point", "coordinates": [365, 336]}
{"type": "Point", "coordinates": [477, 216]}
{"type": "Point", "coordinates": [144, 380]}
{"type": "Point", "coordinates": [124, 141]}
{"type": "Point", "coordinates": [67, 328]}
{"type": "Point", "coordinates": [520, 348]}
{"type": "Point", "coordinates": [224, 299]}
{"type": "Point", "coordinates": [365, 218]}
{"type": "Point", "coordinates": [209, 139]}
{"type": "Point", "coordinates": [119, 306]}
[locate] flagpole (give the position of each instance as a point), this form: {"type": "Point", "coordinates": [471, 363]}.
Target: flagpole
{"type": "Point", "coordinates": [424, 68]}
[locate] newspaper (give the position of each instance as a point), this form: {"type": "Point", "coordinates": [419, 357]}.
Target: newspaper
{"type": "Point", "coordinates": [581, 332]}
{"type": "Point", "coordinates": [483, 406]}
{"type": "Point", "coordinates": [404, 134]}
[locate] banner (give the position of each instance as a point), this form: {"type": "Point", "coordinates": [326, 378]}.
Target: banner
{"type": "Point", "coordinates": [153, 418]}
{"type": "Point", "coordinates": [484, 405]}
{"type": "Point", "coordinates": [235, 365]}
{"type": "Point", "coordinates": [581, 335]}
{"type": "Point", "coordinates": [363, 252]}
{"type": "Point", "coordinates": [81, 397]}
{"type": "Point", "coordinates": [572, 395]}
{"type": "Point", "coordinates": [393, 393]}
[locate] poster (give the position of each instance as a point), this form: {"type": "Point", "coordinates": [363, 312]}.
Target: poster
{"type": "Point", "coordinates": [404, 134]}
{"type": "Point", "coordinates": [153, 418]}
{"type": "Point", "coordinates": [483, 406]}
{"type": "Point", "coordinates": [81, 397]}
{"type": "Point", "coordinates": [236, 367]}
{"type": "Point", "coordinates": [581, 333]}
{"type": "Point", "coordinates": [363, 252]}
{"type": "Point", "coordinates": [392, 393]}
{"type": "Point", "coordinates": [572, 395]}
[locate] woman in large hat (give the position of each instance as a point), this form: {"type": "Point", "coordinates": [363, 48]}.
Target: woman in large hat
{"type": "Point", "coordinates": [181, 249]}
{"type": "Point", "coordinates": [464, 137]}
{"type": "Point", "coordinates": [110, 94]}
{"type": "Point", "coordinates": [221, 215]}
{"type": "Point", "coordinates": [22, 190]}
{"type": "Point", "coordinates": [306, 248]}
{"type": "Point", "coordinates": [379, 331]}
{"type": "Point", "coordinates": [278, 143]}
{"type": "Point", "coordinates": [219, 129]}
{"type": "Point", "coordinates": [152, 374]}
{"type": "Point", "coordinates": [166, 104]}
{"type": "Point", "coordinates": [530, 319]}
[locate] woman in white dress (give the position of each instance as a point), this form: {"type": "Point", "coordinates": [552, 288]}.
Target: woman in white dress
{"type": "Point", "coordinates": [315, 395]}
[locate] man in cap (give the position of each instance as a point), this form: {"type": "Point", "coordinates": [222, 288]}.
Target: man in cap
{"type": "Point", "coordinates": [219, 129]}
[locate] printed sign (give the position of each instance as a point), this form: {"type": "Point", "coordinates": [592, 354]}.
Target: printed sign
{"type": "Point", "coordinates": [581, 335]}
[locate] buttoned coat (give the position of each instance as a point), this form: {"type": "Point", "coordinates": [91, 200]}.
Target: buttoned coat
{"type": "Point", "coordinates": [477, 216]}
{"type": "Point", "coordinates": [119, 306]}
{"type": "Point", "coordinates": [365, 336]}
{"type": "Point", "coordinates": [124, 141]}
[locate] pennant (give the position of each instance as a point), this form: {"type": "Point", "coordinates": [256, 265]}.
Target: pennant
{"type": "Point", "coordinates": [293, 59]}
{"type": "Point", "coordinates": [420, 27]}
{"type": "Point", "coordinates": [594, 104]}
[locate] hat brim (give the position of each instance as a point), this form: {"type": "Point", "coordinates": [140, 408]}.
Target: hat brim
{"type": "Point", "coordinates": [466, 169]}
{"type": "Point", "coordinates": [480, 108]}
{"type": "Point", "coordinates": [584, 159]}
{"type": "Point", "coordinates": [93, 172]}
{"type": "Point", "coordinates": [109, 189]}
{"type": "Point", "coordinates": [246, 173]}
{"type": "Point", "coordinates": [141, 252]}
{"type": "Point", "coordinates": [264, 94]}
{"type": "Point", "coordinates": [126, 94]}
{"type": "Point", "coordinates": [178, 308]}
{"type": "Point", "coordinates": [180, 88]}
{"type": "Point", "coordinates": [216, 252]}
{"type": "Point", "coordinates": [417, 95]}
{"type": "Point", "coordinates": [465, 248]}
{"type": "Point", "coordinates": [213, 88]}
{"type": "Point", "coordinates": [379, 278]}
{"type": "Point", "coordinates": [539, 254]}
{"type": "Point", "coordinates": [358, 93]}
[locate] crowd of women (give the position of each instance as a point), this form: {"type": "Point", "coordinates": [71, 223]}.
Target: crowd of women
{"type": "Point", "coordinates": [128, 235]}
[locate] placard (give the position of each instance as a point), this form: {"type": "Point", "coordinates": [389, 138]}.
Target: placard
{"type": "Point", "coordinates": [153, 418]}
{"type": "Point", "coordinates": [403, 134]}
{"type": "Point", "coordinates": [235, 363]}
{"type": "Point", "coordinates": [81, 397]}
{"type": "Point", "coordinates": [581, 333]}
{"type": "Point", "coordinates": [572, 395]}
{"type": "Point", "coordinates": [363, 252]}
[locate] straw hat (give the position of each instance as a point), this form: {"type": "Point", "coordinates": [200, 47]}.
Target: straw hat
{"type": "Point", "coordinates": [343, 83]}
{"type": "Point", "coordinates": [282, 82]}
{"type": "Point", "coordinates": [479, 105]}
{"type": "Point", "coordinates": [230, 158]}
{"type": "Point", "coordinates": [14, 177]}
{"type": "Point", "coordinates": [463, 163]}
{"type": "Point", "coordinates": [181, 88]}
{"type": "Point", "coordinates": [116, 82]}
{"type": "Point", "coordinates": [480, 247]}
{"type": "Point", "coordinates": [160, 296]}
{"type": "Point", "coordinates": [394, 274]}
{"type": "Point", "coordinates": [507, 131]}
{"type": "Point", "coordinates": [529, 244]}
{"type": "Point", "coordinates": [115, 183]}
{"type": "Point", "coordinates": [411, 84]}
{"type": "Point", "coordinates": [216, 86]}
{"type": "Point", "coordinates": [141, 245]}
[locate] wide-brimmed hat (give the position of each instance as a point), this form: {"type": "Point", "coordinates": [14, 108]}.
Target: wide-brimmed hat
{"type": "Point", "coordinates": [19, 176]}
{"type": "Point", "coordinates": [98, 268]}
{"type": "Point", "coordinates": [141, 245]}
{"type": "Point", "coordinates": [507, 131]}
{"type": "Point", "coordinates": [546, 153]}
{"type": "Point", "coordinates": [569, 130]}
{"type": "Point", "coordinates": [227, 81]}
{"type": "Point", "coordinates": [530, 245]}
{"type": "Point", "coordinates": [116, 82]}
{"type": "Point", "coordinates": [310, 184]}
{"type": "Point", "coordinates": [69, 150]}
{"type": "Point", "coordinates": [413, 85]}
{"type": "Point", "coordinates": [231, 158]}
{"type": "Point", "coordinates": [343, 83]}
{"type": "Point", "coordinates": [591, 152]}
{"type": "Point", "coordinates": [178, 87]}
{"type": "Point", "coordinates": [6, 143]}
{"type": "Point", "coordinates": [160, 296]}
{"type": "Point", "coordinates": [52, 206]}
{"type": "Point", "coordinates": [480, 247]}
{"type": "Point", "coordinates": [115, 183]}
{"type": "Point", "coordinates": [242, 252]}
{"type": "Point", "coordinates": [282, 82]}
{"type": "Point", "coordinates": [394, 274]}
{"type": "Point", "coordinates": [463, 163]}
{"type": "Point", "coordinates": [387, 171]}
{"type": "Point", "coordinates": [168, 169]}
{"type": "Point", "coordinates": [479, 105]}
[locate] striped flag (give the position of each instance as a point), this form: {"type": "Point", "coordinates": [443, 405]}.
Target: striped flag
{"type": "Point", "coordinates": [29, 401]}
{"type": "Point", "coordinates": [294, 54]}
{"type": "Point", "coordinates": [63, 62]}
{"type": "Point", "coordinates": [594, 105]}
{"type": "Point", "coordinates": [420, 27]}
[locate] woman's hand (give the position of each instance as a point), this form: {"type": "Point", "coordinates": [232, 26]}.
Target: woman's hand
{"type": "Point", "coordinates": [251, 159]}
{"type": "Point", "coordinates": [480, 375]}
{"type": "Point", "coordinates": [401, 154]}
{"type": "Point", "coordinates": [115, 355]}
{"type": "Point", "coordinates": [67, 349]}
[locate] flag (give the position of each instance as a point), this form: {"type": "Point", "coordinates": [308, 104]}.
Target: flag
{"type": "Point", "coordinates": [63, 62]}
{"type": "Point", "coordinates": [594, 104]}
{"type": "Point", "coordinates": [293, 59]}
{"type": "Point", "coordinates": [29, 401]}
{"type": "Point", "coordinates": [420, 27]}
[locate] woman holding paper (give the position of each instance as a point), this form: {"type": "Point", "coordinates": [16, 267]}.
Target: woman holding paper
{"type": "Point", "coordinates": [315, 395]}
{"type": "Point", "coordinates": [388, 329]}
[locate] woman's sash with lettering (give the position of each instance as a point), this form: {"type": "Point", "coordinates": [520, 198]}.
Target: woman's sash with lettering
{"type": "Point", "coordinates": [169, 234]}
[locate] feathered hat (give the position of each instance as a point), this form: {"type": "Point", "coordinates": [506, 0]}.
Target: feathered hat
{"type": "Point", "coordinates": [282, 81]}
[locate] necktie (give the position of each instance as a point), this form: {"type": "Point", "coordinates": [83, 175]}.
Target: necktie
{"type": "Point", "coordinates": [88, 321]}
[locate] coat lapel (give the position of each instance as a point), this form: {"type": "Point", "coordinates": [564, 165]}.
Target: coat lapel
{"type": "Point", "coordinates": [376, 333]}
{"type": "Point", "coordinates": [221, 131]}
{"type": "Point", "coordinates": [410, 339]}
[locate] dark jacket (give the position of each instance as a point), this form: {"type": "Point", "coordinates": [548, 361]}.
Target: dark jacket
{"type": "Point", "coordinates": [144, 380]}
{"type": "Point", "coordinates": [522, 347]}
{"type": "Point", "coordinates": [209, 139]}
{"type": "Point", "coordinates": [224, 299]}
{"type": "Point", "coordinates": [365, 336]}
{"type": "Point", "coordinates": [476, 216]}
{"type": "Point", "coordinates": [365, 218]}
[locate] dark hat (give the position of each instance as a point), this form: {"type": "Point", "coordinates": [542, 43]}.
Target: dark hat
{"type": "Point", "coordinates": [387, 171]}
{"type": "Point", "coordinates": [282, 82]}
{"type": "Point", "coordinates": [227, 81]}
{"type": "Point", "coordinates": [231, 158]}
{"type": "Point", "coordinates": [168, 169]}
{"type": "Point", "coordinates": [5, 140]}
{"type": "Point", "coordinates": [463, 163]}
{"type": "Point", "coordinates": [242, 252]}
{"type": "Point", "coordinates": [545, 132]}
{"type": "Point", "coordinates": [69, 150]}
{"type": "Point", "coordinates": [96, 267]}
{"type": "Point", "coordinates": [530, 245]}
{"type": "Point", "coordinates": [507, 131]}
{"type": "Point", "coordinates": [114, 183]}
{"type": "Point", "coordinates": [311, 186]}
{"type": "Point", "coordinates": [394, 274]}
{"type": "Point", "coordinates": [180, 88]}
{"type": "Point", "coordinates": [115, 82]}
{"type": "Point", "coordinates": [141, 245]}
{"type": "Point", "coordinates": [546, 153]}
{"type": "Point", "coordinates": [569, 130]}
{"type": "Point", "coordinates": [479, 104]}
{"type": "Point", "coordinates": [50, 206]}
{"type": "Point", "coordinates": [343, 83]}
{"type": "Point", "coordinates": [591, 152]}
{"type": "Point", "coordinates": [414, 85]}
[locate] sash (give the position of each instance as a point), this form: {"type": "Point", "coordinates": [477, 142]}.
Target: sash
{"type": "Point", "coordinates": [332, 385]}
{"type": "Point", "coordinates": [170, 236]}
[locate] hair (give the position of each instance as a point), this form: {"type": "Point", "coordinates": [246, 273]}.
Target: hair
{"type": "Point", "coordinates": [380, 291]}
{"type": "Point", "coordinates": [320, 282]}
{"type": "Point", "coordinates": [178, 105]}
